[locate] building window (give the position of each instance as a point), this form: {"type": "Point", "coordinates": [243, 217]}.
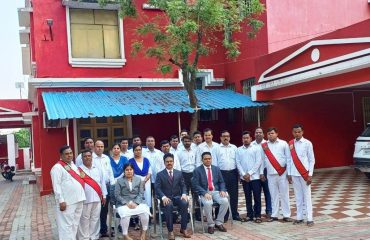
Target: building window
{"type": "Point", "coordinates": [252, 114]}
{"type": "Point", "coordinates": [205, 115]}
{"type": "Point", "coordinates": [95, 38]}
{"type": "Point", "coordinates": [366, 110]}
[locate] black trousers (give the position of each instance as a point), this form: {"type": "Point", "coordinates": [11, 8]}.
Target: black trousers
{"type": "Point", "coordinates": [104, 214]}
{"type": "Point", "coordinates": [252, 188]}
{"type": "Point", "coordinates": [231, 179]}
{"type": "Point", "coordinates": [266, 192]}
{"type": "Point", "coordinates": [182, 206]}
{"type": "Point", "coordinates": [187, 179]}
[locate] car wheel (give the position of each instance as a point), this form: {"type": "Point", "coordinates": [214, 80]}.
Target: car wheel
{"type": "Point", "coordinates": [367, 174]}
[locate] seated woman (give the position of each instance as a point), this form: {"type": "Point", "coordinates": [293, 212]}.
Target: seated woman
{"type": "Point", "coordinates": [129, 192]}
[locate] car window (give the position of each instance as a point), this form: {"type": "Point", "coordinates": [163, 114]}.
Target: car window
{"type": "Point", "coordinates": [366, 133]}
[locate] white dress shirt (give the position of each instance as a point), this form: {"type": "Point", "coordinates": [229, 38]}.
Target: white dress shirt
{"type": "Point", "coordinates": [187, 160]}
{"type": "Point", "coordinates": [304, 150]}
{"type": "Point", "coordinates": [249, 160]}
{"type": "Point", "coordinates": [96, 174]}
{"type": "Point", "coordinates": [204, 147]}
{"type": "Point", "coordinates": [225, 157]}
{"type": "Point", "coordinates": [280, 150]}
{"type": "Point", "coordinates": [128, 154]}
{"type": "Point", "coordinates": [156, 161]}
{"type": "Point", "coordinates": [103, 162]}
{"type": "Point", "coordinates": [66, 188]}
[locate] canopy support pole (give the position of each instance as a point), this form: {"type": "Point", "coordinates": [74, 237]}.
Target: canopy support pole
{"type": "Point", "coordinates": [67, 132]}
{"type": "Point", "coordinates": [258, 117]}
{"type": "Point", "coordinates": [179, 122]}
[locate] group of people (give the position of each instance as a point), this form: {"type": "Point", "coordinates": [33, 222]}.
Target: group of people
{"type": "Point", "coordinates": [184, 166]}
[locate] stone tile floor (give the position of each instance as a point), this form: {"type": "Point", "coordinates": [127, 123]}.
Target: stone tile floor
{"type": "Point", "coordinates": [341, 211]}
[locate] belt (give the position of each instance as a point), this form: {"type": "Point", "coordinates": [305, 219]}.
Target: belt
{"type": "Point", "coordinates": [228, 170]}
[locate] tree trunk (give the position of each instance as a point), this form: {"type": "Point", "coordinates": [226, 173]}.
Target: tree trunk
{"type": "Point", "coordinates": [189, 84]}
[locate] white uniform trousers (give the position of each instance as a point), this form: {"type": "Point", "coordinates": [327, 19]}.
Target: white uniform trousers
{"type": "Point", "coordinates": [303, 199]}
{"type": "Point", "coordinates": [89, 227]}
{"type": "Point", "coordinates": [68, 220]}
{"type": "Point", "coordinates": [125, 222]}
{"type": "Point", "coordinates": [279, 190]}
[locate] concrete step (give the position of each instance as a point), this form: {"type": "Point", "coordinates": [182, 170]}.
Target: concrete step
{"type": "Point", "coordinates": [21, 172]}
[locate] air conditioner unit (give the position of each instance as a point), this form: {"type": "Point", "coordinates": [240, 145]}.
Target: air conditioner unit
{"type": "Point", "coordinates": [49, 123]}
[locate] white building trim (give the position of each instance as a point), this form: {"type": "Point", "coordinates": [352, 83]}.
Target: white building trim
{"type": "Point", "coordinates": [93, 62]}
{"type": "Point", "coordinates": [327, 71]}
{"type": "Point", "coordinates": [7, 111]}
{"type": "Point", "coordinates": [263, 77]}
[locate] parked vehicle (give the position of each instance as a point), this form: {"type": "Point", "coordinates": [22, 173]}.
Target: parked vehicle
{"type": "Point", "coordinates": [361, 156]}
{"type": "Point", "coordinates": [7, 171]}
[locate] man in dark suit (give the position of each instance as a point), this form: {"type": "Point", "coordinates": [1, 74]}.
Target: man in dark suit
{"type": "Point", "coordinates": [170, 188]}
{"type": "Point", "coordinates": [208, 183]}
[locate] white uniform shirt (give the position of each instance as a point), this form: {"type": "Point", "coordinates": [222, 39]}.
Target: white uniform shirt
{"type": "Point", "coordinates": [225, 157]}
{"type": "Point", "coordinates": [128, 154]}
{"type": "Point", "coordinates": [203, 147]}
{"type": "Point", "coordinates": [249, 160]}
{"type": "Point", "coordinates": [304, 150]}
{"type": "Point", "coordinates": [66, 188]}
{"type": "Point", "coordinates": [187, 159]}
{"type": "Point", "coordinates": [176, 162]}
{"type": "Point", "coordinates": [174, 151]}
{"type": "Point", "coordinates": [96, 174]}
{"type": "Point", "coordinates": [280, 150]}
{"type": "Point", "coordinates": [103, 163]}
{"type": "Point", "coordinates": [180, 146]}
{"type": "Point", "coordinates": [78, 160]}
{"type": "Point", "coordinates": [156, 161]}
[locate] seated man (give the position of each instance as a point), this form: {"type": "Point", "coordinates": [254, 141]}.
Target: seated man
{"type": "Point", "coordinates": [208, 183]}
{"type": "Point", "coordinates": [170, 188]}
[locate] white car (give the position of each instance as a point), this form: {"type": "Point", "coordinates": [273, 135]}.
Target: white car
{"type": "Point", "coordinates": [361, 156]}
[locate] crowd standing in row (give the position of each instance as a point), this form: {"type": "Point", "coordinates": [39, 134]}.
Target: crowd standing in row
{"type": "Point", "coordinates": [129, 177]}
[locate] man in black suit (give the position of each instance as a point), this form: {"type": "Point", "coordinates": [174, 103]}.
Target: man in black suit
{"type": "Point", "coordinates": [170, 188]}
{"type": "Point", "coordinates": [208, 183]}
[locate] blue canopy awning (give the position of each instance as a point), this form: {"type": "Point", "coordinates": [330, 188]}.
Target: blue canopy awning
{"type": "Point", "coordinates": [69, 105]}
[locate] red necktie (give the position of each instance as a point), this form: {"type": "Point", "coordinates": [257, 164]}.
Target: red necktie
{"type": "Point", "coordinates": [210, 185]}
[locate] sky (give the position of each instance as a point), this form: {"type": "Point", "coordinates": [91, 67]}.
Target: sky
{"type": "Point", "coordinates": [10, 51]}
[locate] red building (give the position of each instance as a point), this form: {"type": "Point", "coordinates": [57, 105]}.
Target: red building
{"type": "Point", "coordinates": [74, 46]}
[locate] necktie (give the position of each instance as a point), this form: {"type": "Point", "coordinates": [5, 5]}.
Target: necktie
{"type": "Point", "coordinates": [171, 177]}
{"type": "Point", "coordinates": [210, 185]}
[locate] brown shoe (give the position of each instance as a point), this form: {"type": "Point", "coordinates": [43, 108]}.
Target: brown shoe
{"type": "Point", "coordinates": [143, 235]}
{"type": "Point", "coordinates": [211, 230]}
{"type": "Point", "coordinates": [287, 219]}
{"type": "Point", "coordinates": [221, 228]}
{"type": "Point", "coordinates": [126, 237]}
{"type": "Point", "coordinates": [171, 236]}
{"type": "Point", "coordinates": [185, 233]}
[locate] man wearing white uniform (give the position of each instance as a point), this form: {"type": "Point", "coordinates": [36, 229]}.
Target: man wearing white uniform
{"type": "Point", "coordinates": [155, 158]}
{"type": "Point", "coordinates": [96, 192]}
{"type": "Point", "coordinates": [88, 144]}
{"type": "Point", "coordinates": [225, 159]}
{"type": "Point", "coordinates": [69, 193]}
{"type": "Point", "coordinates": [207, 146]}
{"type": "Point", "coordinates": [276, 160]}
{"type": "Point", "coordinates": [301, 170]}
{"type": "Point", "coordinates": [102, 161]}
{"type": "Point", "coordinates": [249, 161]}
{"type": "Point", "coordinates": [174, 142]}
{"type": "Point", "coordinates": [186, 157]}
{"type": "Point", "coordinates": [124, 149]}
{"type": "Point", "coordinates": [165, 148]}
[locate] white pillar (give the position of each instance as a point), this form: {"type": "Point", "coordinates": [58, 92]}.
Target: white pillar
{"type": "Point", "coordinates": [11, 149]}
{"type": "Point", "coordinates": [26, 157]}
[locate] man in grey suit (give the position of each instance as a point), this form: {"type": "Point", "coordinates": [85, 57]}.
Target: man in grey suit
{"type": "Point", "coordinates": [170, 188]}
{"type": "Point", "coordinates": [208, 183]}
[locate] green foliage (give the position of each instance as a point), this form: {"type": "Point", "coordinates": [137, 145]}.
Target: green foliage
{"type": "Point", "coordinates": [23, 137]}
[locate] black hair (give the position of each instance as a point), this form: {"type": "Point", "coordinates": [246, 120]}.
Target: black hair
{"type": "Point", "coordinates": [85, 151]}
{"type": "Point", "coordinates": [224, 131]}
{"type": "Point", "coordinates": [297, 125]}
{"type": "Point", "coordinates": [272, 129]}
{"type": "Point", "coordinates": [197, 132]}
{"type": "Point", "coordinates": [186, 137]}
{"type": "Point", "coordinates": [168, 155]}
{"type": "Point", "coordinates": [63, 148]}
{"type": "Point", "coordinates": [163, 142]}
{"type": "Point", "coordinates": [135, 146]}
{"type": "Point", "coordinates": [87, 138]}
{"type": "Point", "coordinates": [184, 130]}
{"type": "Point", "coordinates": [174, 137]}
{"type": "Point", "coordinates": [124, 139]}
{"type": "Point", "coordinates": [207, 130]}
{"type": "Point", "coordinates": [206, 153]}
{"type": "Point", "coordinates": [246, 132]}
{"type": "Point", "coordinates": [116, 144]}
{"type": "Point", "coordinates": [258, 128]}
{"type": "Point", "coordinates": [128, 165]}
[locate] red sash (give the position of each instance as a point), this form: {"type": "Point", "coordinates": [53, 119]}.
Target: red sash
{"type": "Point", "coordinates": [298, 164]}
{"type": "Point", "coordinates": [72, 172]}
{"type": "Point", "coordinates": [91, 182]}
{"type": "Point", "coordinates": [280, 170]}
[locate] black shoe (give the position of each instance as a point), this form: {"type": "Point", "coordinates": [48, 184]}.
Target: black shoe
{"type": "Point", "coordinates": [297, 222]}
{"type": "Point", "coordinates": [287, 219]}
{"type": "Point", "coordinates": [237, 218]}
{"type": "Point", "coordinates": [211, 230]}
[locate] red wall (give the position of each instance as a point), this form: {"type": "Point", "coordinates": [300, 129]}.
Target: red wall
{"type": "Point", "coordinates": [291, 22]}
{"type": "Point", "coordinates": [328, 123]}
{"type": "Point", "coordinates": [20, 159]}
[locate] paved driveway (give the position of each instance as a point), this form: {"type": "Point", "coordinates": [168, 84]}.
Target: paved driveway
{"type": "Point", "coordinates": [341, 211]}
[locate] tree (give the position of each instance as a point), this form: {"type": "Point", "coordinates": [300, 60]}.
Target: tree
{"type": "Point", "coordinates": [23, 137]}
{"type": "Point", "coordinates": [186, 30]}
